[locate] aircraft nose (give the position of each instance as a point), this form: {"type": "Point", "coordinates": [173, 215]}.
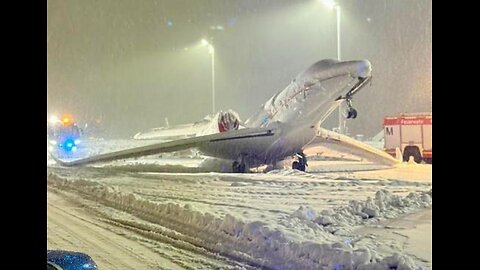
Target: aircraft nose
{"type": "Point", "coordinates": [364, 68]}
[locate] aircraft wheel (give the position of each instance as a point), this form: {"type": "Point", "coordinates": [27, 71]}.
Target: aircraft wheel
{"type": "Point", "coordinates": [241, 168]}
{"type": "Point", "coordinates": [235, 166]}
{"type": "Point", "coordinates": [353, 113]}
{"type": "Point", "coordinates": [301, 168]}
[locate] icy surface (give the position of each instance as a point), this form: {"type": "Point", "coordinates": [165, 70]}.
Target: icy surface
{"type": "Point", "coordinates": [258, 242]}
{"type": "Point", "coordinates": [284, 219]}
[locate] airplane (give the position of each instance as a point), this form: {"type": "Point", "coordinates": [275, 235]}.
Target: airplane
{"type": "Point", "coordinates": [210, 124]}
{"type": "Point", "coordinates": [280, 129]}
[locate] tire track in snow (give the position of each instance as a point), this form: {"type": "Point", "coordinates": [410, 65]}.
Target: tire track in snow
{"type": "Point", "coordinates": [108, 249]}
{"type": "Point", "coordinates": [96, 241]}
{"type": "Point", "coordinates": [188, 256]}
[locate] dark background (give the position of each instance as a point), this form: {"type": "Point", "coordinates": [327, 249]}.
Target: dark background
{"type": "Point", "coordinates": [129, 64]}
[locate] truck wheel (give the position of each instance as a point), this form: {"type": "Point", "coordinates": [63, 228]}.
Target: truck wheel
{"type": "Point", "coordinates": [412, 151]}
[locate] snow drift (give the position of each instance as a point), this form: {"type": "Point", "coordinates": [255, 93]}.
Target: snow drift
{"type": "Point", "coordinates": [256, 242]}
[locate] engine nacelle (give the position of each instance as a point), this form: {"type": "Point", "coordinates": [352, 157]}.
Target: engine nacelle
{"type": "Point", "coordinates": [228, 120]}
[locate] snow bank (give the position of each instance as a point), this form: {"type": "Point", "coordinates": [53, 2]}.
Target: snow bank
{"type": "Point", "coordinates": [167, 168]}
{"type": "Point", "coordinates": [346, 168]}
{"type": "Point", "coordinates": [342, 221]}
{"type": "Point", "coordinates": [327, 168]}
{"type": "Point", "coordinates": [216, 165]}
{"type": "Point", "coordinates": [384, 204]}
{"type": "Point", "coordinates": [287, 172]}
{"type": "Point", "coordinates": [306, 213]}
{"type": "Point", "coordinates": [254, 242]}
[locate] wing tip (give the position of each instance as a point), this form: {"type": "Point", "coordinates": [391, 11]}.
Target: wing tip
{"type": "Point", "coordinates": [60, 162]}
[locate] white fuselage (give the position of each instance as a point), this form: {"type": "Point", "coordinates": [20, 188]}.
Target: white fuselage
{"type": "Point", "coordinates": [294, 114]}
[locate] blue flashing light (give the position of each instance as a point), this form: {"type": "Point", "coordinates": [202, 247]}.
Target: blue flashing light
{"type": "Point", "coordinates": [69, 144]}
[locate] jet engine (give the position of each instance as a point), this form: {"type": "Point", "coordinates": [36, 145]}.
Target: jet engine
{"type": "Point", "coordinates": [228, 120]}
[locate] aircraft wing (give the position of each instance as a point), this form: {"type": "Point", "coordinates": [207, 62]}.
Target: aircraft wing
{"type": "Point", "coordinates": [171, 146]}
{"type": "Point", "coordinates": [342, 143]}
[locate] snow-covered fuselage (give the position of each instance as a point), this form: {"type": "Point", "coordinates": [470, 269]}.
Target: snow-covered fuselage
{"type": "Point", "coordinates": [295, 113]}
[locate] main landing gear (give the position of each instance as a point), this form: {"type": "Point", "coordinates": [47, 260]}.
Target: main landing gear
{"type": "Point", "coordinates": [301, 164]}
{"type": "Point", "coordinates": [238, 167]}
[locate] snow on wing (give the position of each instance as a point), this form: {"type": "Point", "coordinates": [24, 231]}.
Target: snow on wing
{"type": "Point", "coordinates": [170, 146]}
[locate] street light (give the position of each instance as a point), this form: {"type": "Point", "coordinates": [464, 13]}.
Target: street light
{"type": "Point", "coordinates": [211, 51]}
{"type": "Point", "coordinates": [332, 5]}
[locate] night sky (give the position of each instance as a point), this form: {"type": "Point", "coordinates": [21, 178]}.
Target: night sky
{"type": "Point", "coordinates": [130, 64]}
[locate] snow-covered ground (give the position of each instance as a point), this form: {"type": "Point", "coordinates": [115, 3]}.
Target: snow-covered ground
{"type": "Point", "coordinates": [169, 213]}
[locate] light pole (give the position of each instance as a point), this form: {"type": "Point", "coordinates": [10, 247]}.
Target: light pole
{"type": "Point", "coordinates": [332, 5]}
{"type": "Point", "coordinates": [211, 51]}
{"type": "Point", "coordinates": [337, 9]}
{"type": "Point", "coordinates": [341, 119]}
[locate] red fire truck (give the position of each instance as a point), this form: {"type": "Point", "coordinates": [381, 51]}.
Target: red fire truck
{"type": "Point", "coordinates": [411, 133]}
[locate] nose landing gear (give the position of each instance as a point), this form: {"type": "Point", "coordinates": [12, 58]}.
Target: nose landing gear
{"type": "Point", "coordinates": [350, 112]}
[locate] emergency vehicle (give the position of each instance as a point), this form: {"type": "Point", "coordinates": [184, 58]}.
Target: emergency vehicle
{"type": "Point", "coordinates": [64, 133]}
{"type": "Point", "coordinates": [411, 133]}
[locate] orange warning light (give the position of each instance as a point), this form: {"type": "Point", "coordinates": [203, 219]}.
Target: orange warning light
{"type": "Point", "coordinates": [67, 119]}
